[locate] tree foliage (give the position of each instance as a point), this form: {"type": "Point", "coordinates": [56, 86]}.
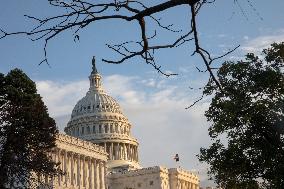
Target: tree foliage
{"type": "Point", "coordinates": [27, 133]}
{"type": "Point", "coordinates": [248, 122]}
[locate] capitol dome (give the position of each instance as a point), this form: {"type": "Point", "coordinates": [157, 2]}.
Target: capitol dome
{"type": "Point", "coordinates": [98, 118]}
{"type": "Point", "coordinates": [93, 103]}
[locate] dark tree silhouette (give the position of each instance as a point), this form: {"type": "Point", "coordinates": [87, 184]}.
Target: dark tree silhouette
{"type": "Point", "coordinates": [27, 133]}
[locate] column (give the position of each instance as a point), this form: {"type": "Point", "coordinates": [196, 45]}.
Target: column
{"type": "Point", "coordinates": [137, 153]}
{"type": "Point", "coordinates": [71, 169]}
{"type": "Point", "coordinates": [78, 170]}
{"type": "Point", "coordinates": [102, 175]}
{"type": "Point", "coordinates": [183, 185]}
{"type": "Point", "coordinates": [118, 151]}
{"type": "Point", "coordinates": [84, 171]}
{"type": "Point", "coordinates": [91, 175]}
{"type": "Point", "coordinates": [124, 152]}
{"type": "Point", "coordinates": [115, 152]}
{"type": "Point", "coordinates": [131, 153]}
{"type": "Point", "coordinates": [179, 184]}
{"type": "Point", "coordinates": [97, 174]}
{"type": "Point", "coordinates": [65, 168]}
{"type": "Point", "coordinates": [127, 146]}
{"type": "Point", "coordinates": [111, 151]}
{"type": "Point", "coordinates": [128, 152]}
{"type": "Point", "coordinates": [134, 153]}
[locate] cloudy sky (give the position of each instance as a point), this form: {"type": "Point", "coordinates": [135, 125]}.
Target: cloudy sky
{"type": "Point", "coordinates": [155, 105]}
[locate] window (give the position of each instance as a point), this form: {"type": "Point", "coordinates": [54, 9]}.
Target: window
{"type": "Point", "coordinates": [151, 183]}
{"type": "Point", "coordinates": [83, 130]}
{"type": "Point", "coordinates": [111, 128]}
{"type": "Point", "coordinates": [106, 128]}
{"type": "Point", "coordinates": [88, 130]}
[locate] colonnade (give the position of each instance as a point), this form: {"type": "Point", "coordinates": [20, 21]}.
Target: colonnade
{"type": "Point", "coordinates": [183, 184]}
{"type": "Point", "coordinates": [79, 171]}
{"type": "Point", "coordinates": [121, 151]}
{"type": "Point", "coordinates": [107, 128]}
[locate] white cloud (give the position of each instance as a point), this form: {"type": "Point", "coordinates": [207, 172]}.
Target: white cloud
{"type": "Point", "coordinates": [160, 122]}
{"type": "Point", "coordinates": [221, 35]}
{"type": "Point", "coordinates": [246, 37]}
{"type": "Point", "coordinates": [149, 82]}
{"type": "Point", "coordinates": [257, 44]}
{"type": "Point", "coordinates": [61, 97]}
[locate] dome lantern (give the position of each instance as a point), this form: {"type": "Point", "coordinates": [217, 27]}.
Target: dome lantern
{"type": "Point", "coordinates": [95, 77]}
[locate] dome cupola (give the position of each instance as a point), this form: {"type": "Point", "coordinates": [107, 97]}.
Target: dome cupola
{"type": "Point", "coordinates": [95, 77]}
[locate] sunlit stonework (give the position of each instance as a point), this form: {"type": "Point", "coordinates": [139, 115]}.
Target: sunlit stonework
{"type": "Point", "coordinates": [99, 151]}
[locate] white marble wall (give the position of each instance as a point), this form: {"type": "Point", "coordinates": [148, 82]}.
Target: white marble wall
{"type": "Point", "coordinates": [83, 165]}
{"type": "Point", "coordinates": [153, 178]}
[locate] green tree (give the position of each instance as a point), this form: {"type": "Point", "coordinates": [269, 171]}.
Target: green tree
{"type": "Point", "coordinates": [27, 133]}
{"type": "Point", "coordinates": [247, 122]}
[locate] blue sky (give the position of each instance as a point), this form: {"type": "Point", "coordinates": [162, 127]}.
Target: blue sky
{"type": "Point", "coordinates": [154, 104]}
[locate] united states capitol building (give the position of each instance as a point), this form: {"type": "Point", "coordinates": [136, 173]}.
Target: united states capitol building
{"type": "Point", "coordinates": [99, 152]}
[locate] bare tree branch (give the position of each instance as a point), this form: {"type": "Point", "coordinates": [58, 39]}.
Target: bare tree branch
{"type": "Point", "coordinates": [79, 14]}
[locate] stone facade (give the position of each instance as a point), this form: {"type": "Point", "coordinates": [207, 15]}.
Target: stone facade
{"type": "Point", "coordinates": [83, 163]}
{"type": "Point", "coordinates": [153, 178]}
{"type": "Point", "coordinates": [101, 153]}
{"type": "Point", "coordinates": [182, 179]}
